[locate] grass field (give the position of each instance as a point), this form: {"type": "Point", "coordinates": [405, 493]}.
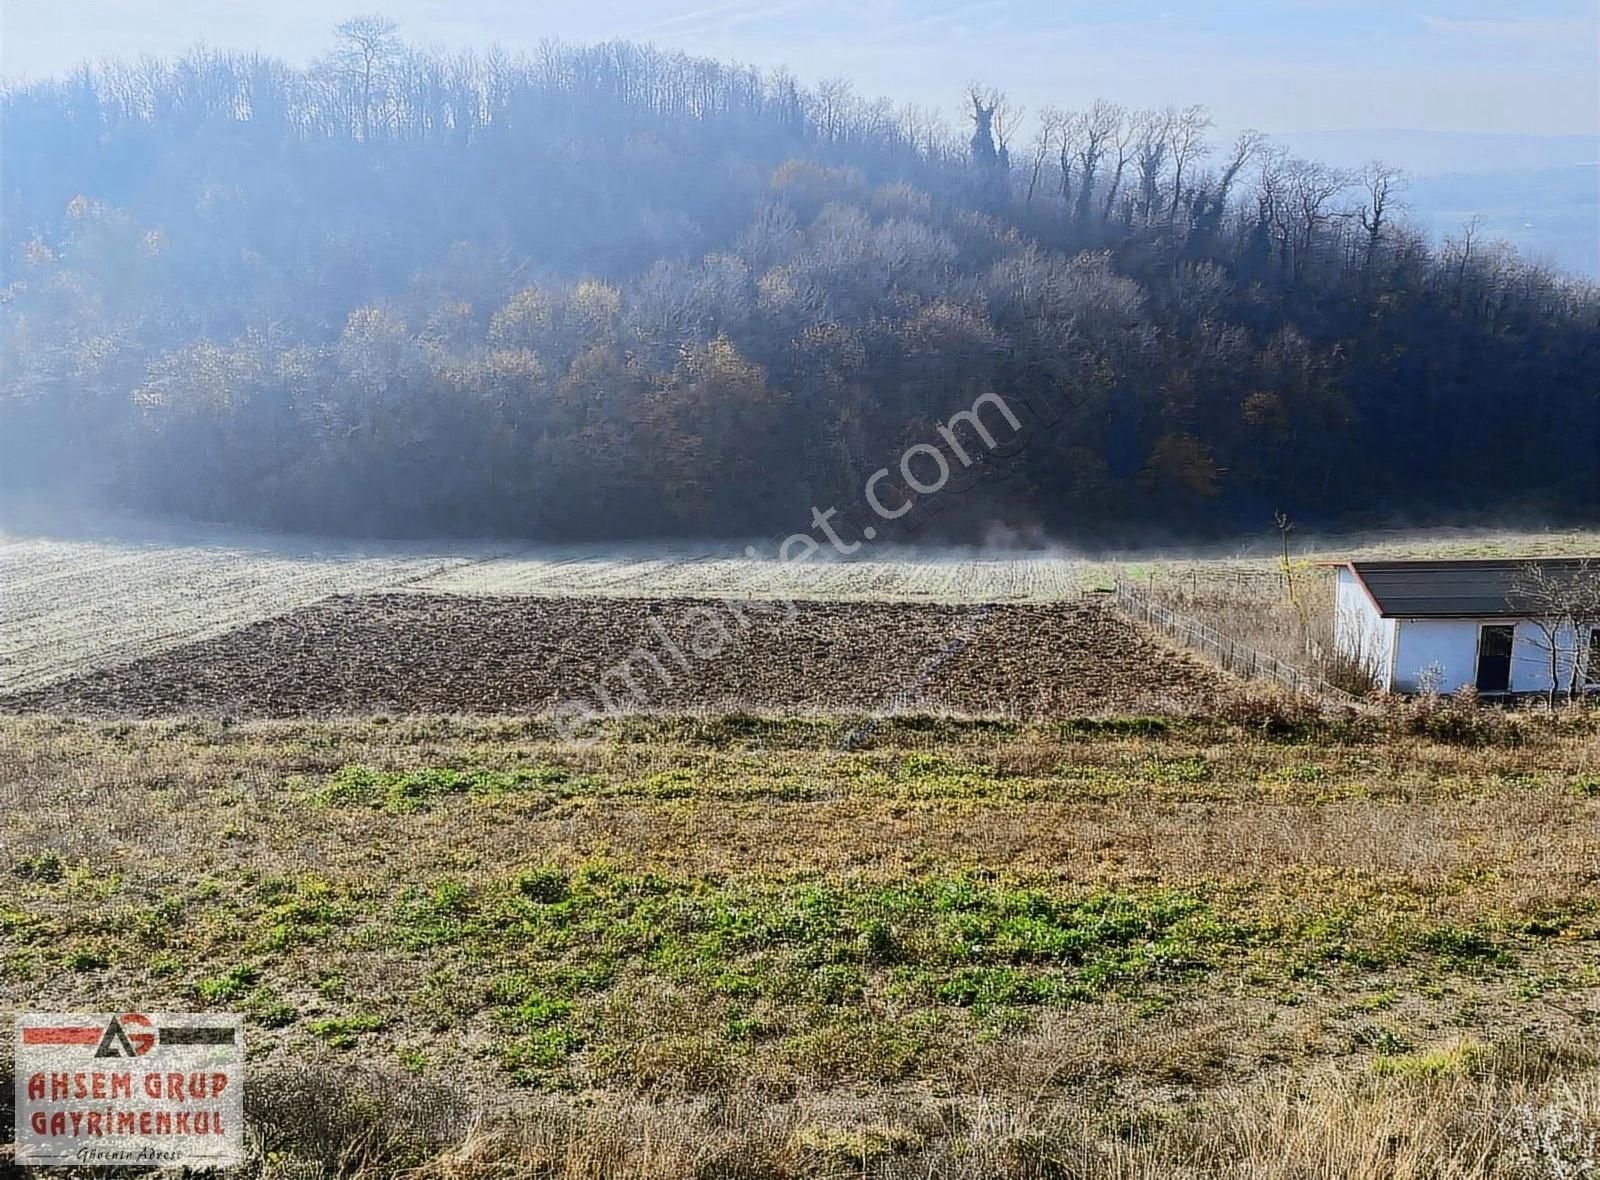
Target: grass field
{"type": "Point", "coordinates": [727, 946]}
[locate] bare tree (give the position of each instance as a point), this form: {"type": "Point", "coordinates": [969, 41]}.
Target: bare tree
{"type": "Point", "coordinates": [994, 120]}
{"type": "Point", "coordinates": [1381, 183]}
{"type": "Point", "coordinates": [1459, 251]}
{"type": "Point", "coordinates": [1294, 200]}
{"type": "Point", "coordinates": [1186, 132]}
{"type": "Point", "coordinates": [1562, 602]}
{"type": "Point", "coordinates": [1211, 204]}
{"type": "Point", "coordinates": [1095, 132]}
{"type": "Point", "coordinates": [1066, 154]}
{"type": "Point", "coordinates": [1007, 117]}
{"type": "Point", "coordinates": [1121, 144]}
{"type": "Point", "coordinates": [927, 130]}
{"type": "Point", "coordinates": [369, 48]}
{"type": "Point", "coordinates": [984, 100]}
{"type": "Point", "coordinates": [1153, 147]}
{"type": "Point", "coordinates": [1051, 123]}
{"type": "Point", "coordinates": [1314, 185]}
{"type": "Point", "coordinates": [1244, 150]}
{"type": "Point", "coordinates": [833, 100]}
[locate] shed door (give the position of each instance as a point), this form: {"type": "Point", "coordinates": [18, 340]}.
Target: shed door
{"type": "Point", "coordinates": [1494, 658]}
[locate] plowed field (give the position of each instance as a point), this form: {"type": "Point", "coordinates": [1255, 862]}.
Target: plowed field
{"type": "Point", "coordinates": [414, 653]}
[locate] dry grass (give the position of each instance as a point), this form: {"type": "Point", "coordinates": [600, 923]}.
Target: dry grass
{"type": "Point", "coordinates": [726, 946]}
{"type": "Point", "coordinates": [1288, 617]}
{"type": "Point", "coordinates": [1525, 1109]}
{"type": "Point", "coordinates": [1288, 611]}
{"type": "Point", "coordinates": [1528, 1110]}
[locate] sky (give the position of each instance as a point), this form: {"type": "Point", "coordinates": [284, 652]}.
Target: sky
{"type": "Point", "coordinates": [1279, 65]}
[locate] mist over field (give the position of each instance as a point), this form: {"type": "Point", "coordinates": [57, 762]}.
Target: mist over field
{"type": "Point", "coordinates": [605, 292]}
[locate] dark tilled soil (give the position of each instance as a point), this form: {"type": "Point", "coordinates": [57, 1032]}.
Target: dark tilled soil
{"type": "Point", "coordinates": [414, 653]}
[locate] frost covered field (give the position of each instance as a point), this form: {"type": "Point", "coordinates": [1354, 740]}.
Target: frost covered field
{"type": "Point", "coordinates": [102, 597]}
{"type": "Point", "coordinates": [96, 593]}
{"type": "Point", "coordinates": [71, 606]}
{"type": "Point", "coordinates": [944, 575]}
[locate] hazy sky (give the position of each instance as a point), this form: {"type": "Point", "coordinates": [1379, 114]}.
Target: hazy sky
{"type": "Point", "coordinates": [1280, 65]}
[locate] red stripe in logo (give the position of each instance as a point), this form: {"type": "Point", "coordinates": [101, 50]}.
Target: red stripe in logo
{"type": "Point", "coordinates": [65, 1034]}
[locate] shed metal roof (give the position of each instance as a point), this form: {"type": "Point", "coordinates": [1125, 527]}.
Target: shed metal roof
{"type": "Point", "coordinates": [1481, 589]}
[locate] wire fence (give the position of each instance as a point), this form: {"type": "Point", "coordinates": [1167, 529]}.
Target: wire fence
{"type": "Point", "coordinates": [1227, 652]}
{"type": "Point", "coordinates": [1228, 577]}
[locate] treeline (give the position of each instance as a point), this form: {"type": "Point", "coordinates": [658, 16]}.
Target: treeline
{"type": "Point", "coordinates": [610, 291]}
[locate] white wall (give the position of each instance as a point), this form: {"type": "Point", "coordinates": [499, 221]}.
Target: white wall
{"type": "Point", "coordinates": [1530, 657]}
{"type": "Point", "coordinates": [1447, 647]}
{"type": "Point", "coordinates": [1360, 631]}
{"type": "Point", "coordinates": [1451, 645]}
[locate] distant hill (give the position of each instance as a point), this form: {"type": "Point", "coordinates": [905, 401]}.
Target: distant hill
{"type": "Point", "coordinates": [1549, 214]}
{"type": "Point", "coordinates": [1541, 193]}
{"type": "Point", "coordinates": [610, 291]}
{"type": "Point", "coordinates": [1430, 153]}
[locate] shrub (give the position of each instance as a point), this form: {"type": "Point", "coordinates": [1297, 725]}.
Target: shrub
{"type": "Point", "coordinates": [231, 985]}
{"type": "Point", "coordinates": [46, 868]}
{"type": "Point", "coordinates": [1270, 712]}
{"type": "Point", "coordinates": [1458, 720]}
{"type": "Point", "coordinates": [342, 1032]}
{"type": "Point", "coordinates": [546, 886]}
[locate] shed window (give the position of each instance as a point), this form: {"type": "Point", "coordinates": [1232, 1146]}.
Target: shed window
{"type": "Point", "coordinates": [1593, 673]}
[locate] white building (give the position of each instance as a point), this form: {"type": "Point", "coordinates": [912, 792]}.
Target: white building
{"type": "Point", "coordinates": [1450, 624]}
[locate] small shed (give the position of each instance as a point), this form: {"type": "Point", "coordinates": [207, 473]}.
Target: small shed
{"type": "Point", "coordinates": [1447, 625]}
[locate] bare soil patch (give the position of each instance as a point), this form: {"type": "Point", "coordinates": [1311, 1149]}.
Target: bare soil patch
{"type": "Point", "coordinates": [418, 653]}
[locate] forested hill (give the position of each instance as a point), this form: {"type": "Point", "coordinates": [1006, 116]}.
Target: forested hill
{"type": "Point", "coordinates": [609, 291]}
